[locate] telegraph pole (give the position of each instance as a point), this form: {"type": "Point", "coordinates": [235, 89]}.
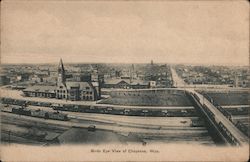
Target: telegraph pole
{"type": "Point", "coordinates": [9, 136]}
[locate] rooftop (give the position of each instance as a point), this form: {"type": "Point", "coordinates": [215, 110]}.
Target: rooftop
{"type": "Point", "coordinates": [39, 88]}
{"type": "Point", "coordinates": [132, 82]}
{"type": "Point", "coordinates": [81, 85]}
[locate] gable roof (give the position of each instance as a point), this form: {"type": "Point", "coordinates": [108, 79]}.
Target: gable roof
{"type": "Point", "coordinates": [116, 81]}
{"type": "Point", "coordinates": [47, 89]}
{"type": "Point", "coordinates": [133, 82]}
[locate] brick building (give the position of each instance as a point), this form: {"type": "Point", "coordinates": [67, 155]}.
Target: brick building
{"type": "Point", "coordinates": [68, 90]}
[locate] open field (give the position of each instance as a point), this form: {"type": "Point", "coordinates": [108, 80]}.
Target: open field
{"type": "Point", "coordinates": [230, 98]}
{"type": "Point", "coordinates": [148, 101]}
{"type": "Point", "coordinates": [148, 98]}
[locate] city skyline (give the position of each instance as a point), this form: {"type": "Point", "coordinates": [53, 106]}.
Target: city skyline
{"type": "Point", "coordinates": [127, 63]}
{"type": "Point", "coordinates": [125, 32]}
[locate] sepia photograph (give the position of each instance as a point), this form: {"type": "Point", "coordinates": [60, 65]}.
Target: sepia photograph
{"type": "Point", "coordinates": [124, 80]}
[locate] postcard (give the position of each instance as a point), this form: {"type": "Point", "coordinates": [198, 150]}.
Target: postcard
{"type": "Point", "coordinates": [124, 80]}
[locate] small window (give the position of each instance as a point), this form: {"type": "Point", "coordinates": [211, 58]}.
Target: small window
{"type": "Point", "coordinates": [87, 87]}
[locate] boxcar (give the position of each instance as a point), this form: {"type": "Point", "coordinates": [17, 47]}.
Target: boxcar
{"type": "Point", "coordinates": [38, 113]}
{"type": "Point", "coordinates": [21, 111]}
{"type": "Point", "coordinates": [57, 116]}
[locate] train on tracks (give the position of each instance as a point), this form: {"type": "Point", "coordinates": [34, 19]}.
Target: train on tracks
{"type": "Point", "coordinates": [106, 109]}
{"type": "Point", "coordinates": [35, 113]}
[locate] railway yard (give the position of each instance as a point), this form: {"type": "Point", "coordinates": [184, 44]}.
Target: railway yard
{"type": "Point", "coordinates": [125, 129]}
{"type": "Point", "coordinates": [31, 121]}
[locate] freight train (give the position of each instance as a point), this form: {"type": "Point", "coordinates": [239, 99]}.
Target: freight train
{"type": "Point", "coordinates": [36, 113]}
{"type": "Point", "coordinates": [106, 109]}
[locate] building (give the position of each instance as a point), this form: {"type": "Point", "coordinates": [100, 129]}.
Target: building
{"type": "Point", "coordinates": [23, 77]}
{"type": "Point", "coordinates": [40, 91]}
{"type": "Point", "coordinates": [67, 89]}
{"type": "Point", "coordinates": [75, 90]}
{"type": "Point", "coordinates": [242, 81]}
{"type": "Point", "coordinates": [80, 77]}
{"type": "Point", "coordinates": [125, 83]}
{"type": "Point", "coordinates": [4, 80]}
{"type": "Point", "coordinates": [152, 84]}
{"type": "Point", "coordinates": [36, 79]}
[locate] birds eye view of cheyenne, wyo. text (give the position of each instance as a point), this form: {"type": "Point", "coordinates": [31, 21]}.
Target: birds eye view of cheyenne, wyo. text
{"type": "Point", "coordinates": [135, 74]}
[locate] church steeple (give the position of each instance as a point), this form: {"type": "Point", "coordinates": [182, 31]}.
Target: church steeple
{"type": "Point", "coordinates": [61, 73]}
{"type": "Point", "coordinates": [60, 67]}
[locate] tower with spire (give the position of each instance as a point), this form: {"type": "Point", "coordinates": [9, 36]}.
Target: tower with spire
{"type": "Point", "coordinates": [75, 90]}
{"type": "Point", "coordinates": [61, 79]}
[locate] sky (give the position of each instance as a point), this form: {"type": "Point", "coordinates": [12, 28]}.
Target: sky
{"type": "Point", "coordinates": [195, 32]}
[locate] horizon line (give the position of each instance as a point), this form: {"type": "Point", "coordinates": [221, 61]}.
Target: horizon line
{"type": "Point", "coordinates": [168, 63]}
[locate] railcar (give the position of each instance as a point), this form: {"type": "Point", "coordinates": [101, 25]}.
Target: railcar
{"type": "Point", "coordinates": [21, 111]}
{"type": "Point", "coordinates": [6, 108]}
{"type": "Point", "coordinates": [57, 116]}
{"type": "Point", "coordinates": [39, 113]}
{"type": "Point", "coordinates": [126, 111]}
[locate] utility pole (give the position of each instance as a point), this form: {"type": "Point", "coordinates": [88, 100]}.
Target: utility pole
{"type": "Point", "coordinates": [9, 136]}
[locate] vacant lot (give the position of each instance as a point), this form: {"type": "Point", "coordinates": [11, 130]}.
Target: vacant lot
{"type": "Point", "coordinates": [83, 136]}
{"type": "Point", "coordinates": [149, 100]}
{"type": "Point", "coordinates": [230, 98]}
